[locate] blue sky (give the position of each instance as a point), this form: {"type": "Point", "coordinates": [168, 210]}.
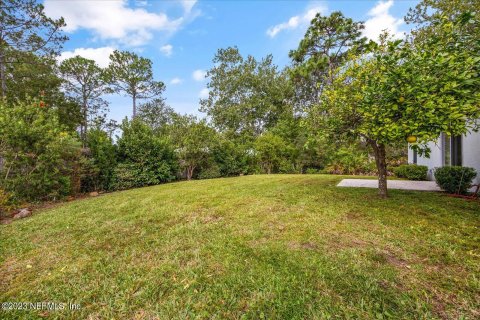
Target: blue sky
{"type": "Point", "coordinates": [181, 37]}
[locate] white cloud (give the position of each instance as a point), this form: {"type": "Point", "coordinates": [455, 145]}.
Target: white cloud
{"type": "Point", "coordinates": [112, 20]}
{"type": "Point", "coordinates": [188, 5]}
{"type": "Point", "coordinates": [296, 21]}
{"type": "Point", "coordinates": [203, 93]}
{"type": "Point", "coordinates": [167, 50]}
{"type": "Point", "coordinates": [100, 55]}
{"type": "Point", "coordinates": [199, 75]}
{"type": "Point", "coordinates": [380, 20]}
{"type": "Point", "coordinates": [141, 3]}
{"type": "Point", "coordinates": [176, 81]}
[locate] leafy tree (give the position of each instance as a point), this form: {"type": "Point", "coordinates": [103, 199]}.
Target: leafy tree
{"type": "Point", "coordinates": [24, 27]}
{"type": "Point", "coordinates": [272, 151]}
{"type": "Point", "coordinates": [194, 141]}
{"type": "Point", "coordinates": [85, 82]}
{"type": "Point", "coordinates": [246, 96]}
{"type": "Point", "coordinates": [326, 45]}
{"type": "Point", "coordinates": [427, 12]}
{"type": "Point", "coordinates": [132, 75]}
{"type": "Point", "coordinates": [156, 114]}
{"type": "Point", "coordinates": [144, 159]}
{"type": "Point", "coordinates": [37, 153]}
{"type": "Point", "coordinates": [400, 90]}
{"type": "Point", "coordinates": [37, 76]}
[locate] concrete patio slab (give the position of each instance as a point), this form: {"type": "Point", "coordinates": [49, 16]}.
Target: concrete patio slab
{"type": "Point", "coordinates": [391, 184]}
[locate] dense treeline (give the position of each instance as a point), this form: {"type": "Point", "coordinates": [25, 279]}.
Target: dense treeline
{"type": "Point", "coordinates": [344, 106]}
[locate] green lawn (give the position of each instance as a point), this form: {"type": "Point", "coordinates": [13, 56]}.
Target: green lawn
{"type": "Point", "coordinates": [274, 247]}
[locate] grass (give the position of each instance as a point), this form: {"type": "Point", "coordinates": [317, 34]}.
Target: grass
{"type": "Point", "coordinates": [274, 247]}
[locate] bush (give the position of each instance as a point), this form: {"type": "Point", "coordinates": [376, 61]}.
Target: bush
{"type": "Point", "coordinates": [274, 153]}
{"type": "Point", "coordinates": [455, 179]}
{"type": "Point", "coordinates": [312, 171]}
{"type": "Point", "coordinates": [6, 204]}
{"type": "Point", "coordinates": [143, 158]}
{"type": "Point", "coordinates": [135, 175]}
{"type": "Point", "coordinates": [411, 172]}
{"type": "Point", "coordinates": [210, 173]}
{"type": "Point", "coordinates": [350, 160]}
{"type": "Point", "coordinates": [99, 162]}
{"type": "Point", "coordinates": [232, 158]}
{"type": "Point", "coordinates": [39, 155]}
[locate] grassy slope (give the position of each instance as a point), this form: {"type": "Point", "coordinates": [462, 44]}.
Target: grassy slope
{"type": "Point", "coordinates": [282, 246]}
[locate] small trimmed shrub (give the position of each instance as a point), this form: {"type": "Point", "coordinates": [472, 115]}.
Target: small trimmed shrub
{"type": "Point", "coordinates": [455, 179]}
{"type": "Point", "coordinates": [411, 172]}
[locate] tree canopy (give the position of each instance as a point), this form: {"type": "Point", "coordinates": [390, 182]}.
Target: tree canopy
{"type": "Point", "coordinates": [246, 96]}
{"type": "Point", "coordinates": [132, 75]}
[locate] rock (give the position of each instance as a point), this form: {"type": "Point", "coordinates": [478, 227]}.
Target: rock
{"type": "Point", "coordinates": [22, 213]}
{"type": "Point", "coordinates": [93, 194]}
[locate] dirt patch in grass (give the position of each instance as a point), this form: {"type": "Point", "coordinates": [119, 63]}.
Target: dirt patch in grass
{"type": "Point", "coordinates": [392, 259]}
{"type": "Point", "coordinates": [9, 269]}
{"type": "Point", "coordinates": [354, 215]}
{"type": "Point", "coordinates": [307, 245]}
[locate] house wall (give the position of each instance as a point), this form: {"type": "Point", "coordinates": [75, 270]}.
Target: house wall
{"type": "Point", "coordinates": [471, 152]}
{"type": "Point", "coordinates": [435, 160]}
{"type": "Point", "coordinates": [470, 155]}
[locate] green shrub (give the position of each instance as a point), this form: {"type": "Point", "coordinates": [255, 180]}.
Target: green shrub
{"type": "Point", "coordinates": [135, 175]}
{"type": "Point", "coordinates": [411, 172]}
{"type": "Point", "coordinates": [312, 171]}
{"type": "Point", "coordinates": [455, 179]}
{"type": "Point", "coordinates": [143, 158]}
{"type": "Point", "coordinates": [39, 155]}
{"type": "Point", "coordinates": [6, 204]}
{"type": "Point", "coordinates": [99, 162]}
{"type": "Point", "coordinates": [232, 159]}
{"type": "Point", "coordinates": [350, 160]}
{"type": "Point", "coordinates": [210, 173]}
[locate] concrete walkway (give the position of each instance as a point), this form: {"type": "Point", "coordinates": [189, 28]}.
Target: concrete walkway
{"type": "Point", "coordinates": [391, 184]}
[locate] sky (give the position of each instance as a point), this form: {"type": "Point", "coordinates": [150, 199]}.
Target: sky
{"type": "Point", "coordinates": [181, 37]}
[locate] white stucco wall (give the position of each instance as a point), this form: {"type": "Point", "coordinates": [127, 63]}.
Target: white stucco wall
{"type": "Point", "coordinates": [470, 155]}
{"type": "Point", "coordinates": [471, 152]}
{"type": "Point", "coordinates": [435, 160]}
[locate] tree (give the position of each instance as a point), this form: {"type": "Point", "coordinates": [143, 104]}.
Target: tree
{"type": "Point", "coordinates": [427, 12]}
{"type": "Point", "coordinates": [156, 114]}
{"type": "Point", "coordinates": [37, 76]}
{"type": "Point", "coordinates": [24, 27]}
{"type": "Point", "coordinates": [325, 46]}
{"type": "Point", "coordinates": [85, 82]}
{"type": "Point", "coordinates": [400, 90]}
{"type": "Point", "coordinates": [194, 141]}
{"type": "Point", "coordinates": [132, 75]}
{"type": "Point", "coordinates": [271, 151]}
{"type": "Point", "coordinates": [143, 158]}
{"type": "Point", "coordinates": [246, 96]}
{"type": "Point", "coordinates": [37, 152]}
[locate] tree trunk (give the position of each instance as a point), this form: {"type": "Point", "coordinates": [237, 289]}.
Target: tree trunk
{"type": "Point", "coordinates": [3, 74]}
{"type": "Point", "coordinates": [134, 98]}
{"type": "Point", "coordinates": [381, 162]}
{"type": "Point", "coordinates": [84, 133]}
{"type": "Point", "coordinates": [190, 172]}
